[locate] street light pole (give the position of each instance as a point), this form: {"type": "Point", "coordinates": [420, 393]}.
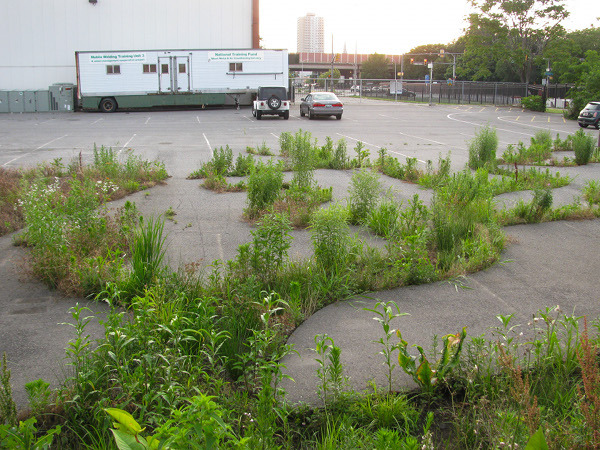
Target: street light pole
{"type": "Point", "coordinates": [395, 83]}
{"type": "Point", "coordinates": [430, 83]}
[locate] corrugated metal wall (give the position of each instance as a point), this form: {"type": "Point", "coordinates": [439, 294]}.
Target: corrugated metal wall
{"type": "Point", "coordinates": [38, 38]}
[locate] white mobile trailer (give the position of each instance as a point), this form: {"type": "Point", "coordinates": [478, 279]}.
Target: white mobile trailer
{"type": "Point", "coordinates": [146, 78]}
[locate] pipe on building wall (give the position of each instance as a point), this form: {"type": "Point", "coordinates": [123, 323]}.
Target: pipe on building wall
{"type": "Point", "coordinates": [255, 25]}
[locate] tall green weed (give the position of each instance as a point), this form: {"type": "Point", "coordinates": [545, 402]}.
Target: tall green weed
{"type": "Point", "coordinates": [364, 192]}
{"type": "Point", "coordinates": [482, 149]}
{"type": "Point", "coordinates": [264, 186]}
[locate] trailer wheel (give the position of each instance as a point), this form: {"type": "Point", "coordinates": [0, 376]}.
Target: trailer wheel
{"type": "Point", "coordinates": [274, 102]}
{"type": "Point", "coordinates": [108, 105]}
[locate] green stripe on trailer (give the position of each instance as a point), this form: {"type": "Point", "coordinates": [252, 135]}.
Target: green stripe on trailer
{"type": "Point", "coordinates": [151, 100]}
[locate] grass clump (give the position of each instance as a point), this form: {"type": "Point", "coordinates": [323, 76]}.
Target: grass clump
{"type": "Point", "coordinates": [464, 222]}
{"type": "Point", "coordinates": [583, 146]}
{"type": "Point", "coordinates": [109, 177]}
{"type": "Point", "coordinates": [264, 187]}
{"type": "Point", "coordinates": [482, 149]}
{"type": "Point", "coordinates": [364, 192]}
{"type": "Point", "coordinates": [591, 192]}
{"type": "Point", "coordinates": [222, 165]}
{"type": "Point", "coordinates": [261, 149]}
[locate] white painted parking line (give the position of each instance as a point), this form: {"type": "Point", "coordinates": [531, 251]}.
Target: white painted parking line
{"type": "Point", "coordinates": [39, 148]}
{"type": "Point", "coordinates": [377, 146]}
{"type": "Point", "coordinates": [127, 143]}
{"type": "Point", "coordinates": [505, 119]}
{"type": "Point", "coordinates": [449, 116]}
{"type": "Point", "coordinates": [147, 120]}
{"type": "Point", "coordinates": [275, 136]}
{"type": "Point", "coordinates": [422, 138]}
{"type": "Point", "coordinates": [50, 142]}
{"type": "Point", "coordinates": [406, 156]}
{"type": "Point", "coordinates": [207, 143]}
{"type": "Point", "coordinates": [96, 121]}
{"type": "Point", "coordinates": [198, 119]}
{"type": "Point", "coordinates": [220, 247]}
{"type": "Point", "coordinates": [248, 118]}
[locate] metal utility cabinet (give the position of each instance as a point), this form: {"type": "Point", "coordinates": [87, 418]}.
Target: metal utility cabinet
{"type": "Point", "coordinates": [62, 97]}
{"type": "Point", "coordinates": [142, 79]}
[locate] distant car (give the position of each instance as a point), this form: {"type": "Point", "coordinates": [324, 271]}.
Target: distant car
{"type": "Point", "coordinates": [406, 93]}
{"type": "Point", "coordinates": [271, 100]}
{"type": "Point", "coordinates": [590, 115]}
{"type": "Point", "coordinates": [321, 104]}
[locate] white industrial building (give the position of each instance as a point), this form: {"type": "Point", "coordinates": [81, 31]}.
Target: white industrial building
{"type": "Point", "coordinates": [39, 38]}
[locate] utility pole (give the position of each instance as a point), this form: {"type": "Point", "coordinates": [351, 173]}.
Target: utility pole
{"type": "Point", "coordinates": [395, 83]}
{"type": "Point", "coordinates": [332, 59]}
{"type": "Point", "coordinates": [430, 83]}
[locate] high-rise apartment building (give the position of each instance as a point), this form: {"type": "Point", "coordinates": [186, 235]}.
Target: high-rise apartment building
{"type": "Point", "coordinates": [310, 34]}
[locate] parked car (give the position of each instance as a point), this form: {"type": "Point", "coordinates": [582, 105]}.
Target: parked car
{"type": "Point", "coordinates": [271, 100]}
{"type": "Point", "coordinates": [590, 115]}
{"type": "Point", "coordinates": [406, 94]}
{"type": "Point", "coordinates": [321, 104]}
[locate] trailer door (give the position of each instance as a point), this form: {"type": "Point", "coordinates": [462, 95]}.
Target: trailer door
{"type": "Point", "coordinates": [165, 80]}
{"type": "Point", "coordinates": [181, 69]}
{"type": "Point", "coordinates": [174, 74]}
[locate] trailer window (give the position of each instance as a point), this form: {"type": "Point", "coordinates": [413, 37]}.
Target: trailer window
{"type": "Point", "coordinates": [113, 69]}
{"type": "Point", "coordinates": [149, 68]}
{"type": "Point", "coordinates": [182, 68]}
{"type": "Point", "coordinates": [164, 68]}
{"type": "Point", "coordinates": [235, 67]}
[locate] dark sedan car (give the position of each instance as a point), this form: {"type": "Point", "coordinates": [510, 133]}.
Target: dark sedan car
{"type": "Point", "coordinates": [321, 104]}
{"type": "Point", "coordinates": [590, 115]}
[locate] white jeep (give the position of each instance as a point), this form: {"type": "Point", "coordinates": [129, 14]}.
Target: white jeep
{"type": "Point", "coordinates": [271, 100]}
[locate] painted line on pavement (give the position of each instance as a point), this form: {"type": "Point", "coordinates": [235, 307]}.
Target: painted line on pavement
{"type": "Point", "coordinates": [377, 146]}
{"type": "Point", "coordinates": [533, 126]}
{"type": "Point", "coordinates": [127, 143]}
{"type": "Point", "coordinates": [39, 148]}
{"type": "Point", "coordinates": [449, 116]}
{"type": "Point", "coordinates": [220, 247]}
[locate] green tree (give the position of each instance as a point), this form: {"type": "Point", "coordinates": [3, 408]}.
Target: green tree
{"type": "Point", "coordinates": [566, 53]}
{"type": "Point", "coordinates": [418, 71]}
{"type": "Point", "coordinates": [375, 67]}
{"type": "Point", "coordinates": [586, 75]}
{"type": "Point", "coordinates": [509, 37]}
{"type": "Point", "coordinates": [327, 76]}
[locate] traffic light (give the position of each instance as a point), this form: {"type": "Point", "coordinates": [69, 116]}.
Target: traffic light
{"type": "Point", "coordinates": [412, 60]}
{"type": "Point", "coordinates": [442, 51]}
{"type": "Point", "coordinates": [425, 61]}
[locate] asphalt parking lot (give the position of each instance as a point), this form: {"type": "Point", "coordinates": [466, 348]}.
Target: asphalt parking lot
{"type": "Point", "coordinates": [549, 263]}
{"type": "Point", "coordinates": [183, 139]}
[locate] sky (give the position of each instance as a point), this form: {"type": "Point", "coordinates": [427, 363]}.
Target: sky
{"type": "Point", "coordinates": [386, 26]}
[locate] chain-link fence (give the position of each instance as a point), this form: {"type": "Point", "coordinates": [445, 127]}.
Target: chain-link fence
{"type": "Point", "coordinates": [456, 92]}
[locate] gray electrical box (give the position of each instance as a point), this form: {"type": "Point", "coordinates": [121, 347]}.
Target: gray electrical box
{"type": "Point", "coordinates": [42, 101]}
{"type": "Point", "coordinates": [29, 101]}
{"type": "Point", "coordinates": [62, 97]}
{"type": "Point", "coordinates": [16, 101]}
{"type": "Point", "coordinates": [3, 101]}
